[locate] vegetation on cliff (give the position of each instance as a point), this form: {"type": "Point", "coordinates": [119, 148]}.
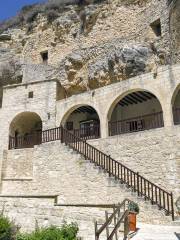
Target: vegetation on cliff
{"type": "Point", "coordinates": [51, 9]}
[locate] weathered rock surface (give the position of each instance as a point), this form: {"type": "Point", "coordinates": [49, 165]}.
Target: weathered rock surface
{"type": "Point", "coordinates": [115, 61]}
{"type": "Point", "coordinates": [90, 46]}
{"type": "Point", "coordinates": [10, 68]}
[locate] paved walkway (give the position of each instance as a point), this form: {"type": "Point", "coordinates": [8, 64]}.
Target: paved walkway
{"type": "Point", "coordinates": [155, 232]}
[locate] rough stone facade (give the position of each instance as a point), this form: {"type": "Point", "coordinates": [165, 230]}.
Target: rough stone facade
{"type": "Point", "coordinates": [120, 49]}
{"type": "Point", "coordinates": [153, 153]}
{"type": "Point", "coordinates": [56, 168]}
{"type": "Point", "coordinates": [49, 170]}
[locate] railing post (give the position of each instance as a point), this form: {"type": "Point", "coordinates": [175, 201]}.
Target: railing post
{"type": "Point", "coordinates": [96, 235]}
{"type": "Point", "coordinates": [62, 135]}
{"type": "Point", "coordinates": [172, 206]}
{"type": "Point", "coordinates": [126, 227]}
{"type": "Point", "coordinates": [138, 183]}
{"type": "Point", "coordinates": [107, 227]}
{"type": "Point", "coordinates": [109, 165]}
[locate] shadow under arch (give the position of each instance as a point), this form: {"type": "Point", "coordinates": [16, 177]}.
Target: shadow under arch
{"type": "Point", "coordinates": [25, 130]}
{"type": "Point", "coordinates": [25, 123]}
{"type": "Point", "coordinates": [134, 110]}
{"type": "Point", "coordinates": [175, 103]}
{"type": "Point", "coordinates": [83, 120]}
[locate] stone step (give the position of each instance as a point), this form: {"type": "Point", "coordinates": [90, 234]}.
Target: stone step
{"type": "Point", "coordinates": [156, 232]}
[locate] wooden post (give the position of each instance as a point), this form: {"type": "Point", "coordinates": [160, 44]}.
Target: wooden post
{"type": "Point", "coordinates": [126, 227]}
{"type": "Point", "coordinates": [107, 228]}
{"type": "Point", "coordinates": [172, 206]}
{"type": "Point", "coordinates": [138, 183]}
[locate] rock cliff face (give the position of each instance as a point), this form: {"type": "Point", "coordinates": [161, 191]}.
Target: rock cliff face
{"type": "Point", "coordinates": [175, 29]}
{"type": "Point", "coordinates": [89, 45]}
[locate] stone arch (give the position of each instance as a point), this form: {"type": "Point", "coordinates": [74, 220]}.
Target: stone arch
{"type": "Point", "coordinates": [174, 95]}
{"type": "Point", "coordinates": [82, 118]}
{"type": "Point", "coordinates": [135, 109]}
{"type": "Point", "coordinates": [175, 103]}
{"type": "Point", "coordinates": [25, 123]}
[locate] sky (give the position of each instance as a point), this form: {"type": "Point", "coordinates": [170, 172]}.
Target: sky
{"type": "Point", "coordinates": [9, 8]}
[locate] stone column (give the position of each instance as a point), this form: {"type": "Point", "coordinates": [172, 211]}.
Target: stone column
{"type": "Point", "coordinates": [168, 115]}
{"type": "Point", "coordinates": [104, 127]}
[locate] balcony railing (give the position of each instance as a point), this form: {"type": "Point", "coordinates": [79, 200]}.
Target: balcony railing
{"type": "Point", "coordinates": [176, 114]}
{"type": "Point", "coordinates": [54, 134]}
{"type": "Point", "coordinates": [141, 123]}
{"type": "Point", "coordinates": [27, 141]}
{"type": "Point", "coordinates": [87, 132]}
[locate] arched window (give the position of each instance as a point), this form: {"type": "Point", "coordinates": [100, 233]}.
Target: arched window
{"type": "Point", "coordinates": [83, 121]}
{"type": "Point", "coordinates": [25, 130]}
{"type": "Point", "coordinates": [136, 111]}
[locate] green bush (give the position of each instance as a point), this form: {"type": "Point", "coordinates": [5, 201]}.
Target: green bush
{"type": "Point", "coordinates": [7, 229]}
{"type": "Point", "coordinates": [66, 232]}
{"type": "Point", "coordinates": [133, 207]}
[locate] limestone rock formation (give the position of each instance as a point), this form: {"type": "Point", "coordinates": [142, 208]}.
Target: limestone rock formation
{"type": "Point", "coordinates": [10, 68]}
{"type": "Point", "coordinates": [89, 45]}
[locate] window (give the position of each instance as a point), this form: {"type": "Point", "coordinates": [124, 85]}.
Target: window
{"type": "Point", "coordinates": [156, 27]}
{"type": "Point", "coordinates": [44, 56]}
{"type": "Point", "coordinates": [30, 95]}
{"type": "Point", "coordinates": [69, 126]}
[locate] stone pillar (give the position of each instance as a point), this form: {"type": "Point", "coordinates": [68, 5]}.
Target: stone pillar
{"type": "Point", "coordinates": [168, 115]}
{"type": "Point", "coordinates": [104, 127]}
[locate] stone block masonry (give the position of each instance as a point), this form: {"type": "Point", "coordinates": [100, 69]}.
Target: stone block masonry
{"type": "Point", "coordinates": [57, 170]}
{"type": "Point", "coordinates": [31, 213]}
{"type": "Point", "coordinates": [154, 154]}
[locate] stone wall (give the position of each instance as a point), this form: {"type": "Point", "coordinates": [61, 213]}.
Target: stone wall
{"type": "Point", "coordinates": [153, 153]}
{"type": "Point", "coordinates": [16, 101]}
{"type": "Point", "coordinates": [32, 213]}
{"type": "Point", "coordinates": [57, 170]}
{"type": "Point", "coordinates": [17, 165]}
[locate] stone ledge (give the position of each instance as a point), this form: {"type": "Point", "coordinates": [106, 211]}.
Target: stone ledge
{"type": "Point", "coordinates": [29, 83]}
{"type": "Point", "coordinates": [17, 179]}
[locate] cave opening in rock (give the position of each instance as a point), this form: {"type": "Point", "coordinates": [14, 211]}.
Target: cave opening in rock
{"type": "Point", "coordinates": [44, 56]}
{"type": "Point", "coordinates": [136, 111]}
{"type": "Point", "coordinates": [156, 27]}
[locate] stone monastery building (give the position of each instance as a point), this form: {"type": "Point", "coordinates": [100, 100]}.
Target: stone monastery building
{"type": "Point", "coordinates": [90, 114]}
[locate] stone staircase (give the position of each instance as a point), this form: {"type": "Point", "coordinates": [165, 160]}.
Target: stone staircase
{"type": "Point", "coordinates": [59, 170]}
